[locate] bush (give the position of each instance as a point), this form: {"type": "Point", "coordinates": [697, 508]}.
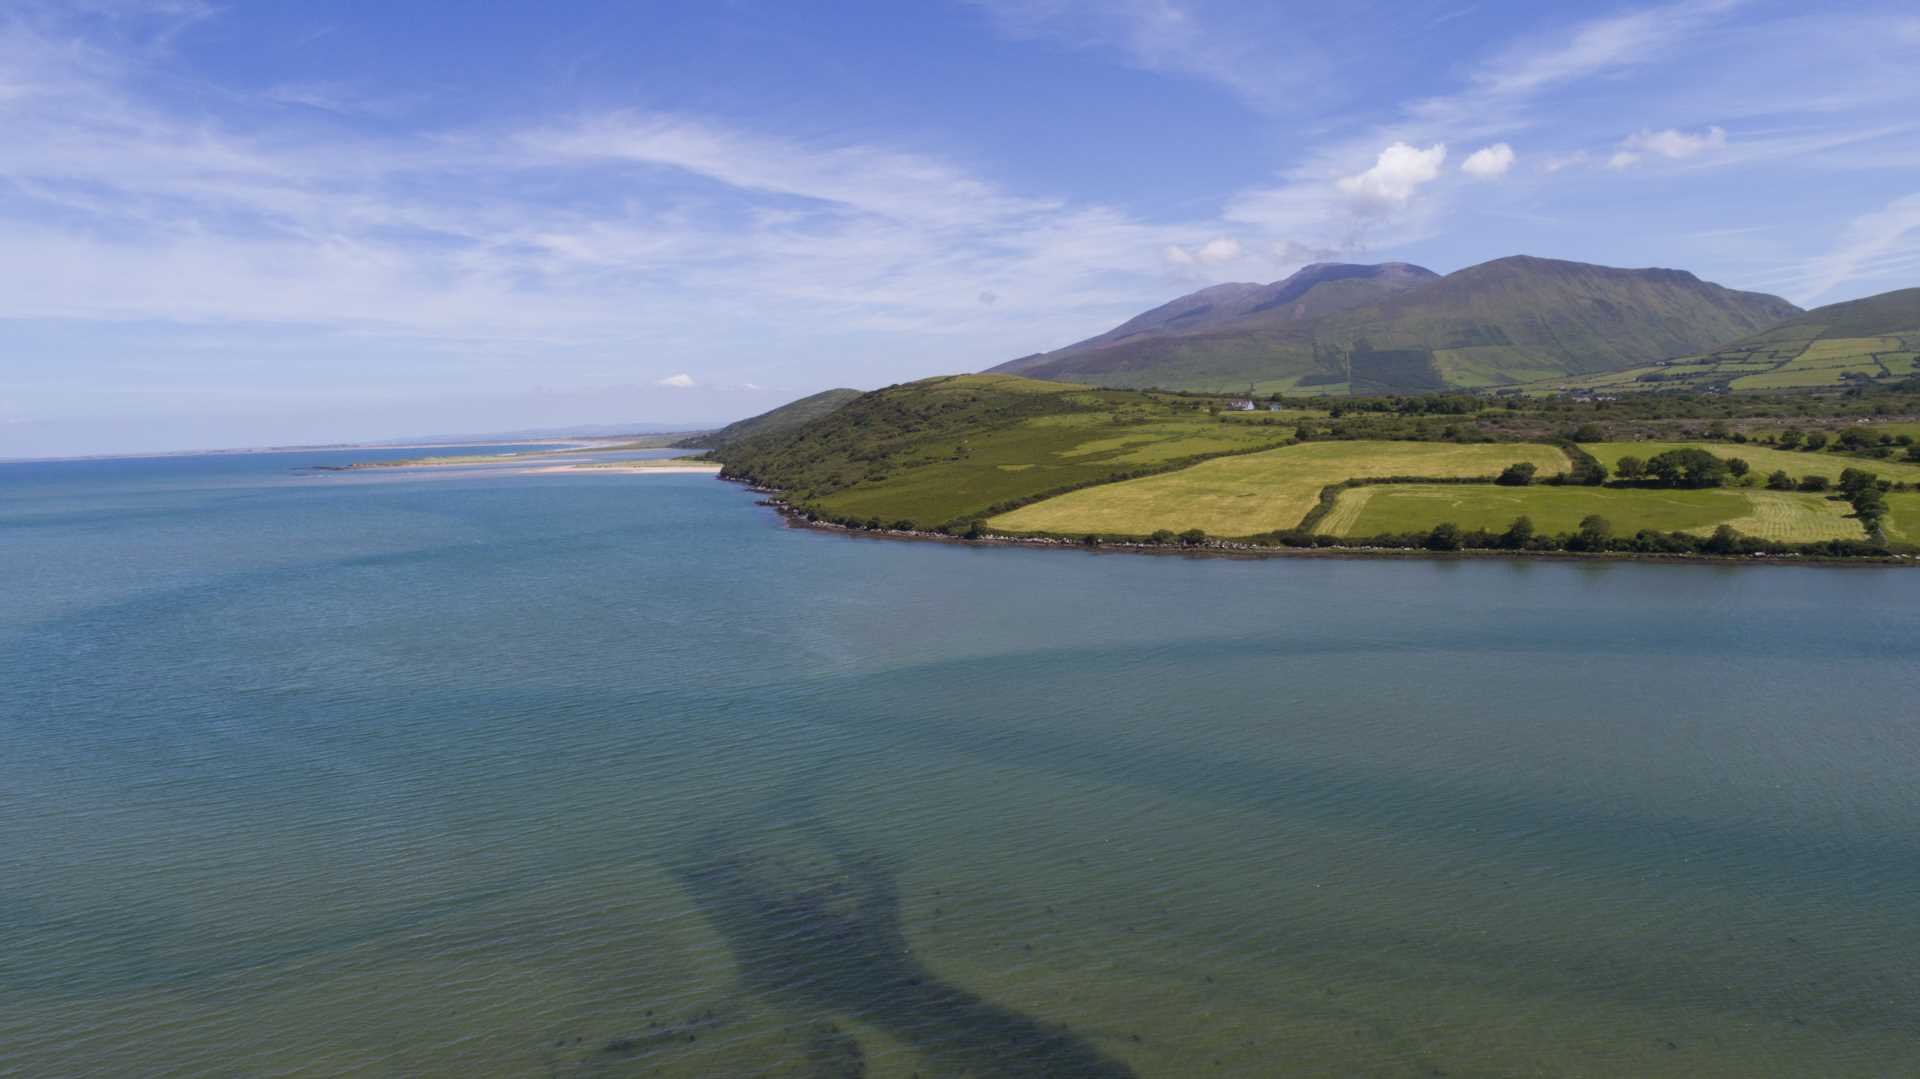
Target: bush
{"type": "Point", "coordinates": [1813, 483]}
{"type": "Point", "coordinates": [1518, 474]}
{"type": "Point", "coordinates": [1630, 468]}
{"type": "Point", "coordinates": [1589, 432]}
{"type": "Point", "coordinates": [1738, 466]}
{"type": "Point", "coordinates": [1193, 537]}
{"type": "Point", "coordinates": [1444, 537]}
{"type": "Point", "coordinates": [1593, 535]}
{"type": "Point", "coordinates": [1855, 480]}
{"type": "Point", "coordinates": [1780, 481]}
{"type": "Point", "coordinates": [1791, 437]}
{"type": "Point", "coordinates": [1164, 537]}
{"type": "Point", "coordinates": [1816, 441]}
{"type": "Point", "coordinates": [1518, 534]}
{"type": "Point", "coordinates": [1689, 467]}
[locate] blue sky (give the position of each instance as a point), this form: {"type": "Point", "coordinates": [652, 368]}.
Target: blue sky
{"type": "Point", "coordinates": [272, 223]}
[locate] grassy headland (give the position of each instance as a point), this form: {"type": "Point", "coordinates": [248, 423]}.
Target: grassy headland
{"type": "Point", "coordinates": [976, 455]}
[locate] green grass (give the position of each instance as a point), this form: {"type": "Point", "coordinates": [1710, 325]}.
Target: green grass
{"type": "Point", "coordinates": [1795, 463]}
{"type": "Point", "coordinates": [1261, 492]}
{"type": "Point", "coordinates": [1902, 522]}
{"type": "Point", "coordinates": [1398, 508]}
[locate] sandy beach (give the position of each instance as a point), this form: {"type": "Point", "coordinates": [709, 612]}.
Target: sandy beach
{"type": "Point", "coordinates": [625, 469]}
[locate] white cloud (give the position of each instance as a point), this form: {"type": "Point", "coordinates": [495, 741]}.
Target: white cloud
{"type": "Point", "coordinates": [681, 381]}
{"type": "Point", "coordinates": [1396, 174]}
{"type": "Point", "coordinates": [1488, 162]}
{"type": "Point", "coordinates": [1671, 143]}
{"type": "Point", "coordinates": [1675, 144]}
{"type": "Point", "coordinates": [1219, 249]}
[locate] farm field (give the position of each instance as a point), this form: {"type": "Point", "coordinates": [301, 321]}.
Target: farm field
{"type": "Point", "coordinates": [1260, 492]}
{"type": "Point", "coordinates": [1902, 522]}
{"type": "Point", "coordinates": [1764, 459]}
{"type": "Point", "coordinates": [1785, 516]}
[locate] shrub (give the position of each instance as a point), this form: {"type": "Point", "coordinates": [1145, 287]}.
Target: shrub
{"type": "Point", "coordinates": [1193, 537]}
{"type": "Point", "coordinates": [1593, 535]}
{"type": "Point", "coordinates": [1444, 537]}
{"type": "Point", "coordinates": [1813, 483]}
{"type": "Point", "coordinates": [1630, 468]}
{"type": "Point", "coordinates": [1518, 474]}
{"type": "Point", "coordinates": [1780, 481]}
{"type": "Point", "coordinates": [1518, 534]}
{"type": "Point", "coordinates": [1687, 467]}
{"type": "Point", "coordinates": [1816, 441]}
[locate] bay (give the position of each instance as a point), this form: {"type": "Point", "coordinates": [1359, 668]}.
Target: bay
{"type": "Point", "coordinates": [443, 773]}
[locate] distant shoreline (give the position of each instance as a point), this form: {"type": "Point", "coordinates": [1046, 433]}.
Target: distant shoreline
{"type": "Point", "coordinates": [331, 448]}
{"type": "Point", "coordinates": [623, 468]}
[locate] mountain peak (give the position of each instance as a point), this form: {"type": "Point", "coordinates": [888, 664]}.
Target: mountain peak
{"type": "Point", "coordinates": [1317, 289]}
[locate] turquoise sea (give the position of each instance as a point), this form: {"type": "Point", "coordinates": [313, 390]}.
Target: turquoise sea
{"type": "Point", "coordinates": [475, 774]}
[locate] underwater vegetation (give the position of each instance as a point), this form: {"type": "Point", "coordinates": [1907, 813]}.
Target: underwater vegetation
{"type": "Point", "coordinates": [816, 925]}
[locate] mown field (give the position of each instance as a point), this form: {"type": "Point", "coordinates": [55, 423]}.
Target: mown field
{"type": "Point", "coordinates": [1260, 492]}
{"type": "Point", "coordinates": [1785, 516]}
{"type": "Point", "coordinates": [1764, 459]}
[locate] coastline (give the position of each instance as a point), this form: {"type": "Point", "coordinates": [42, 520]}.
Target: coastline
{"type": "Point", "coordinates": [1214, 548]}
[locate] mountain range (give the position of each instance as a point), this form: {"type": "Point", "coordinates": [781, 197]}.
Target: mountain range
{"type": "Point", "coordinates": [1395, 328]}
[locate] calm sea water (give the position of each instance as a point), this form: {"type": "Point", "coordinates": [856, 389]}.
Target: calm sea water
{"type": "Point", "coordinates": [402, 775]}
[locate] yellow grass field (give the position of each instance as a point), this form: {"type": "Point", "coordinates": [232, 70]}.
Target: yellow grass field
{"type": "Point", "coordinates": [1788, 517]}
{"type": "Point", "coordinates": [1260, 492]}
{"type": "Point", "coordinates": [1783, 516]}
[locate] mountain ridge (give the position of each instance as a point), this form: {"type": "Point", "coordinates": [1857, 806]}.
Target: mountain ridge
{"type": "Point", "coordinates": [1508, 321]}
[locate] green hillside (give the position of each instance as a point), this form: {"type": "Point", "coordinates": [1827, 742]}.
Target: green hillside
{"type": "Point", "coordinates": [1875, 340]}
{"type": "Point", "coordinates": [1513, 320]}
{"type": "Point", "coordinates": [786, 417]}
{"type": "Point", "coordinates": [946, 449]}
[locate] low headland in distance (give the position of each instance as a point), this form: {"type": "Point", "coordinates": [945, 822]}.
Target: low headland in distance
{"type": "Point", "coordinates": [1794, 441]}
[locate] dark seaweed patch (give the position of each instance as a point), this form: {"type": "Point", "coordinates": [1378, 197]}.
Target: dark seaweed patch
{"type": "Point", "coordinates": [809, 922]}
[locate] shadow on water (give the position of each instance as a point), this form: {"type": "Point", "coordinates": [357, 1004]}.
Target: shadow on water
{"type": "Point", "coordinates": [817, 925]}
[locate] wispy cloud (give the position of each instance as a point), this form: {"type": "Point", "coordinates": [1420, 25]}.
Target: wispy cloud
{"type": "Point", "coordinates": [1269, 58]}
{"type": "Point", "coordinates": [1891, 230]}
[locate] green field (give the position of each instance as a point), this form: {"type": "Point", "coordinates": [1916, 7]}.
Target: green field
{"type": "Point", "coordinates": [1787, 517]}
{"type": "Point", "coordinates": [1795, 463]}
{"type": "Point", "coordinates": [1902, 522]}
{"type": "Point", "coordinates": [1261, 492]}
